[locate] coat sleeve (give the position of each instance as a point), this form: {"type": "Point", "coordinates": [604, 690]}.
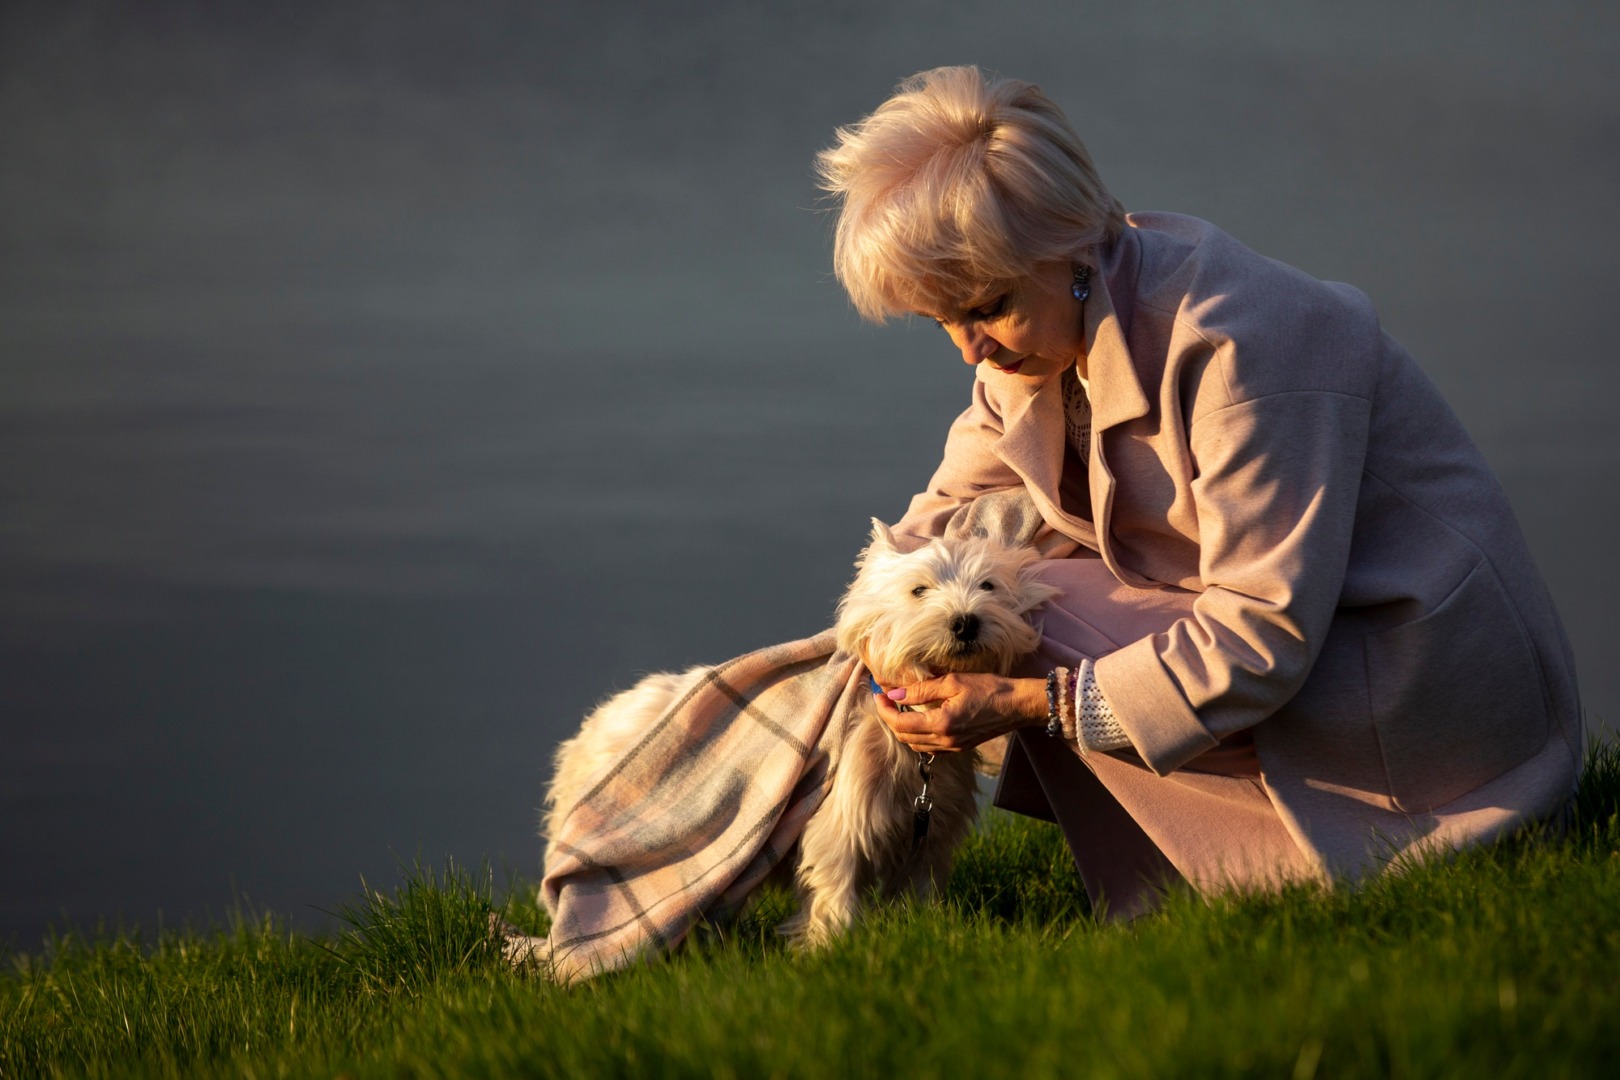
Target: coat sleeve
{"type": "Point", "coordinates": [970, 468]}
{"type": "Point", "coordinates": [1275, 489]}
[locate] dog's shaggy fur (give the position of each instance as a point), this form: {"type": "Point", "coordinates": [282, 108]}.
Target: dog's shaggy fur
{"type": "Point", "coordinates": [951, 606]}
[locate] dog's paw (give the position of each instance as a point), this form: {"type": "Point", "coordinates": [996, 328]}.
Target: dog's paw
{"type": "Point", "coordinates": [809, 929]}
{"type": "Point", "coordinates": [519, 950]}
{"type": "Point", "coordinates": [826, 918]}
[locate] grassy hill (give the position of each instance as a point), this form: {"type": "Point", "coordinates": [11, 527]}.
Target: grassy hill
{"type": "Point", "coordinates": [1500, 962]}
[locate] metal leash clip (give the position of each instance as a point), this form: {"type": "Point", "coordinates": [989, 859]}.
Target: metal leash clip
{"type": "Point", "coordinates": [922, 806]}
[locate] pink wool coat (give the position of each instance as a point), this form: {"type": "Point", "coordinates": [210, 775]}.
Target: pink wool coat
{"type": "Point", "coordinates": [1355, 592]}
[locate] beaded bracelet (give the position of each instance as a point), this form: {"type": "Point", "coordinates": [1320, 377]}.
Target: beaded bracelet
{"type": "Point", "coordinates": [1060, 703]}
{"type": "Point", "coordinates": [1071, 718]}
{"type": "Point", "coordinates": [1054, 715]}
{"type": "Point", "coordinates": [1068, 702]}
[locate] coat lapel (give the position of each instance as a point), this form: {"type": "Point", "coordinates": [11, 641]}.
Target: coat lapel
{"type": "Point", "coordinates": [1032, 444]}
{"type": "Point", "coordinates": [1032, 441]}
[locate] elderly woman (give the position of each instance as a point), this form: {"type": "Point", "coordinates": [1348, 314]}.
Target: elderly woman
{"type": "Point", "coordinates": [1297, 633]}
{"type": "Point", "coordinates": [1300, 632]}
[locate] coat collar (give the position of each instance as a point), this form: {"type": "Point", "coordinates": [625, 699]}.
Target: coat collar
{"type": "Point", "coordinates": [1115, 386]}
{"type": "Point", "coordinates": [1033, 441]}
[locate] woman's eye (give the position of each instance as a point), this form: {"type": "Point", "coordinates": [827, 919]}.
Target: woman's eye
{"type": "Point", "coordinates": [990, 310]}
{"type": "Point", "coordinates": [987, 586]}
{"type": "Point", "coordinates": [919, 590]}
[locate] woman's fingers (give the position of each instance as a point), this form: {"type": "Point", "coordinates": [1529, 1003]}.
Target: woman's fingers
{"type": "Point", "coordinates": [958, 712]}
{"type": "Point", "coordinates": [928, 691]}
{"type": "Point", "coordinates": [927, 731]}
{"type": "Point", "coordinates": [904, 722]}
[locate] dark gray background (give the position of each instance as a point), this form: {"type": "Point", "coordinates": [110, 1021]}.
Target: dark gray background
{"type": "Point", "coordinates": [380, 386]}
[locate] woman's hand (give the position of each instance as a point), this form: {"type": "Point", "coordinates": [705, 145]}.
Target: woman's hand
{"type": "Point", "coordinates": [958, 712]}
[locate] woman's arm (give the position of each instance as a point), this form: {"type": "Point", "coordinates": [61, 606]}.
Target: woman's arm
{"type": "Point", "coordinates": [1278, 480]}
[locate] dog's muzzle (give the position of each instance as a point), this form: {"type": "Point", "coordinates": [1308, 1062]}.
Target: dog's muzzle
{"type": "Point", "coordinates": [965, 629]}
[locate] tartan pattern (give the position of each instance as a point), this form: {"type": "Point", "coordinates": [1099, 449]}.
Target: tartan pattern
{"type": "Point", "coordinates": [701, 808]}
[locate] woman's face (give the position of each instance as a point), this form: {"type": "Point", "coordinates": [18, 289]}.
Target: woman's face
{"type": "Point", "coordinates": [1032, 331]}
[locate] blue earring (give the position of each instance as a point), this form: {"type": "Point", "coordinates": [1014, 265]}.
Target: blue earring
{"type": "Point", "coordinates": [1082, 283]}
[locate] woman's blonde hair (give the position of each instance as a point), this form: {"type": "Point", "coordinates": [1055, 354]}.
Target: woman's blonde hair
{"type": "Point", "coordinates": [955, 185]}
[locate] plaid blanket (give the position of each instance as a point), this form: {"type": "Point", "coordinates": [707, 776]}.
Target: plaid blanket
{"type": "Point", "coordinates": [701, 809]}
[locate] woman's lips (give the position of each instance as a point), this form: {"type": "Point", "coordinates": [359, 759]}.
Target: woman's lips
{"type": "Point", "coordinates": [1012, 368]}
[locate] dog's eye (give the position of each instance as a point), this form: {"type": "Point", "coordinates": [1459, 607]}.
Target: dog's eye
{"type": "Point", "coordinates": [988, 586]}
{"type": "Point", "coordinates": [919, 590]}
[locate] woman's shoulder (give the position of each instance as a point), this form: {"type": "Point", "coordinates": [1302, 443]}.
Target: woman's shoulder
{"type": "Point", "coordinates": [1266, 326]}
{"type": "Point", "coordinates": [1190, 268]}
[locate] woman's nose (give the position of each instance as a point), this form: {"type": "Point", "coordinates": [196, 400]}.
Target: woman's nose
{"type": "Point", "coordinates": [976, 345]}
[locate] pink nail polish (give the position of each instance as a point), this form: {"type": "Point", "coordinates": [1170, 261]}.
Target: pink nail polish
{"type": "Point", "coordinates": [897, 694]}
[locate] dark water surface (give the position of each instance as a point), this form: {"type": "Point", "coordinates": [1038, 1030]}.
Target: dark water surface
{"type": "Point", "coordinates": [380, 389]}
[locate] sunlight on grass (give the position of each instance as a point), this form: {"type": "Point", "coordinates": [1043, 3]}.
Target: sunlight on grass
{"type": "Point", "coordinates": [430, 927]}
{"type": "Point", "coordinates": [1496, 962]}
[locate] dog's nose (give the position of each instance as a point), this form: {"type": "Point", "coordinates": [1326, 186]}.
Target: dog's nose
{"type": "Point", "coordinates": [965, 628]}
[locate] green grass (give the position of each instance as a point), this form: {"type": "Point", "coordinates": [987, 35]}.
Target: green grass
{"type": "Point", "coordinates": [1499, 962]}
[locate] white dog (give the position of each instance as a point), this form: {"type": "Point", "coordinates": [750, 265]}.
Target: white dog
{"type": "Point", "coordinates": [951, 606]}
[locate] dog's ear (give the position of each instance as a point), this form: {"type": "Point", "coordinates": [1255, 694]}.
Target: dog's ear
{"type": "Point", "coordinates": [882, 537]}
